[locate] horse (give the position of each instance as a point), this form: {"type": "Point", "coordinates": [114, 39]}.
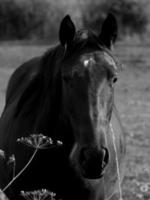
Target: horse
{"type": "Point", "coordinates": [66, 94]}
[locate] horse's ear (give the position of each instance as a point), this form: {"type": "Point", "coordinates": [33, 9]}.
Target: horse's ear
{"type": "Point", "coordinates": [109, 31]}
{"type": "Point", "coordinates": [67, 30]}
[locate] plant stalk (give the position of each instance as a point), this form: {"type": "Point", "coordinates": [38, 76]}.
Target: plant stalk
{"type": "Point", "coordinates": [23, 169]}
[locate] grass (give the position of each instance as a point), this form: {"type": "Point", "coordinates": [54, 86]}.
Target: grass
{"type": "Point", "coordinates": [132, 99]}
{"type": "Point", "coordinates": [133, 102]}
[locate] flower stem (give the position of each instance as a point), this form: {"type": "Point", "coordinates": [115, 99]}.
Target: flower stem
{"type": "Point", "coordinates": [14, 169]}
{"type": "Point", "coordinates": [23, 169]}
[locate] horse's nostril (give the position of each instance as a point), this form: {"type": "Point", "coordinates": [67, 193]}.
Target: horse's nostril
{"type": "Point", "coordinates": [93, 162]}
{"type": "Point", "coordinates": [106, 155]}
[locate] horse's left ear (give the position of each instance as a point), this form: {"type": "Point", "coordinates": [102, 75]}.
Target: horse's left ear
{"type": "Point", "coordinates": [109, 31]}
{"type": "Point", "coordinates": [67, 30]}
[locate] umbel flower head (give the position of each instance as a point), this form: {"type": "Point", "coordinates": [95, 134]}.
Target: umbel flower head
{"type": "Point", "coordinates": [42, 194]}
{"type": "Point", "coordinates": [11, 159]}
{"type": "Point", "coordinates": [39, 141]}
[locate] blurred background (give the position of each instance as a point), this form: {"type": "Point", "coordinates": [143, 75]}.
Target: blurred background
{"type": "Point", "coordinates": [29, 27]}
{"type": "Point", "coordinates": [40, 19]}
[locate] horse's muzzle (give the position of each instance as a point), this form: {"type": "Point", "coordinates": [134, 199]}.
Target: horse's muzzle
{"type": "Point", "coordinates": [93, 162]}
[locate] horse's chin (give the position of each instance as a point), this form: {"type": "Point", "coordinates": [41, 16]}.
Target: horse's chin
{"type": "Point", "coordinates": [93, 176]}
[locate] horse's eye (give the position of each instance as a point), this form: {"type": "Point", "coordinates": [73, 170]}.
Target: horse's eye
{"type": "Point", "coordinates": [114, 80]}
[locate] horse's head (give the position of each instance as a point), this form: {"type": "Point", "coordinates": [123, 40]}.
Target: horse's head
{"type": "Point", "coordinates": [88, 74]}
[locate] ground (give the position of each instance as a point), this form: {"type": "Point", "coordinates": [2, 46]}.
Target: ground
{"type": "Point", "coordinates": [132, 100]}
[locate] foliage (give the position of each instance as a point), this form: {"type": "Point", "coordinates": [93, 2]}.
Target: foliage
{"type": "Point", "coordinates": [130, 14]}
{"type": "Point", "coordinates": [21, 19]}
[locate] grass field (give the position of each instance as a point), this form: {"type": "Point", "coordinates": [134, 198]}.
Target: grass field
{"type": "Point", "coordinates": [132, 99]}
{"type": "Point", "coordinates": [133, 102]}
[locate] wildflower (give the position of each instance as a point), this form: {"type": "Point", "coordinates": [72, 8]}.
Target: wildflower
{"type": "Point", "coordinates": [39, 141]}
{"type": "Point", "coordinates": [38, 195]}
{"type": "Point", "coordinates": [140, 196]}
{"type": "Point", "coordinates": [144, 188]}
{"type": "Point", "coordinates": [12, 162]}
{"type": "Point", "coordinates": [2, 154]}
{"type": "Point", "coordinates": [11, 159]}
{"type": "Point", "coordinates": [59, 143]}
{"type": "Point", "coordinates": [2, 195]}
{"type": "Point", "coordinates": [36, 141]}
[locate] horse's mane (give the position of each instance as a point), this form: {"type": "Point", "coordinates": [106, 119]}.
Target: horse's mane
{"type": "Point", "coordinates": [50, 63]}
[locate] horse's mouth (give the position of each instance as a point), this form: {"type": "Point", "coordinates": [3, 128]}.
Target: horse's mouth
{"type": "Point", "coordinates": [94, 172]}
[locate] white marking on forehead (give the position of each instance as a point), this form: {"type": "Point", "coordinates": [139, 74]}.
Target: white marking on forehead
{"type": "Point", "coordinates": [84, 35]}
{"type": "Point", "coordinates": [88, 62]}
{"type": "Point", "coordinates": [110, 60]}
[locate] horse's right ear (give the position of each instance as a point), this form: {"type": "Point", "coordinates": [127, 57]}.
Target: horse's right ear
{"type": "Point", "coordinates": [67, 30]}
{"type": "Point", "coordinates": [109, 31]}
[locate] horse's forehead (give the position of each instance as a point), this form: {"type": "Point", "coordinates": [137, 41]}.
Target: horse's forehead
{"type": "Point", "coordinates": [98, 62]}
{"type": "Point", "coordinates": [95, 63]}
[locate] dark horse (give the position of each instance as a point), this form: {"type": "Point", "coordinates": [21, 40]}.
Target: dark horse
{"type": "Point", "coordinates": [68, 95]}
